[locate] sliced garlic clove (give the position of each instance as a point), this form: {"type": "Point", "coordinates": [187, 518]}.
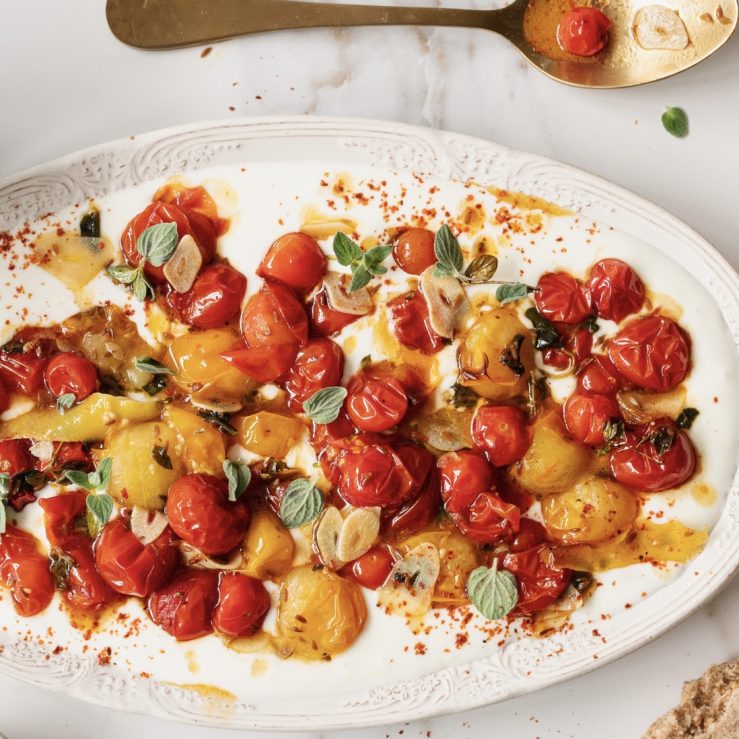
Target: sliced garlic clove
{"type": "Point", "coordinates": [183, 266]}
{"type": "Point", "coordinates": [658, 27]}
{"type": "Point", "coordinates": [640, 406]}
{"type": "Point", "coordinates": [446, 301]}
{"type": "Point", "coordinates": [42, 450]}
{"type": "Point", "coordinates": [195, 558]}
{"type": "Point", "coordinates": [358, 533]}
{"type": "Point", "coordinates": [147, 526]}
{"type": "Point", "coordinates": [447, 429]}
{"type": "Point", "coordinates": [326, 537]}
{"type": "Point", "coordinates": [409, 589]}
{"type": "Point", "coordinates": [358, 303]}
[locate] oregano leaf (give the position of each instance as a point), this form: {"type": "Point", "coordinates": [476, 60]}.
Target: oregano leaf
{"type": "Point", "coordinates": [447, 250]}
{"type": "Point", "coordinates": [121, 273]}
{"type": "Point", "coordinates": [345, 249]}
{"type": "Point", "coordinates": [492, 591]}
{"type": "Point", "coordinates": [510, 291]}
{"type": "Point", "coordinates": [100, 507]}
{"type": "Point", "coordinates": [325, 405]}
{"type": "Point", "coordinates": [481, 269]}
{"type": "Point", "coordinates": [360, 278]}
{"type": "Point", "coordinates": [65, 402]}
{"type": "Point", "coordinates": [147, 364]}
{"type": "Point", "coordinates": [301, 503]}
{"type": "Point", "coordinates": [157, 243]}
{"type": "Point", "coordinates": [238, 476]}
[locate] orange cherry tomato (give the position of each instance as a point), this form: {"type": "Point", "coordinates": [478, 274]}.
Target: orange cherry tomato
{"type": "Point", "coordinates": [530, 534]}
{"type": "Point", "coordinates": [22, 372]}
{"type": "Point", "coordinates": [414, 250]}
{"type": "Point", "coordinates": [539, 581]}
{"type": "Point", "coordinates": [652, 352]}
{"type": "Point", "coordinates": [14, 457]}
{"type": "Point", "coordinates": [409, 318]}
{"type": "Point", "coordinates": [190, 199]}
{"type": "Point", "coordinates": [184, 607]}
{"type": "Point", "coordinates": [376, 405]}
{"type": "Point", "coordinates": [324, 320]}
{"type": "Point", "coordinates": [488, 520]}
{"type": "Point", "coordinates": [599, 375]}
{"type": "Point", "coordinates": [501, 432]}
{"type": "Point", "coordinates": [133, 568]}
{"type": "Point", "coordinates": [616, 289]}
{"type": "Point", "coordinates": [296, 260]}
{"type": "Point", "coordinates": [25, 571]}
{"type": "Point", "coordinates": [200, 513]}
{"type": "Point", "coordinates": [274, 316]}
{"type": "Point", "coordinates": [584, 31]}
{"type": "Point", "coordinates": [319, 364]}
{"type": "Point", "coordinates": [562, 298]}
{"type": "Point", "coordinates": [463, 475]}
{"type": "Point", "coordinates": [263, 364]}
{"type": "Point", "coordinates": [243, 603]}
{"type": "Point", "coordinates": [372, 569]}
{"type": "Point", "coordinates": [71, 373]}
{"type": "Point", "coordinates": [586, 416]}
{"type": "Point", "coordinates": [213, 300]}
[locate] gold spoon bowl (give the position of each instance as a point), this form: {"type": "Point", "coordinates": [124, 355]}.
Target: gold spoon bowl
{"type": "Point", "coordinates": [168, 24]}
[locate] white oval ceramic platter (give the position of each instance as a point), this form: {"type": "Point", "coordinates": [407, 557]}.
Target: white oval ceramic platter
{"type": "Point", "coordinates": [269, 176]}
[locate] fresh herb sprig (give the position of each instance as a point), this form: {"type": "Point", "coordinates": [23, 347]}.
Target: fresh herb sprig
{"type": "Point", "coordinates": [364, 264]}
{"type": "Point", "coordinates": [238, 476]}
{"type": "Point", "coordinates": [325, 404]}
{"type": "Point", "coordinates": [301, 503]}
{"type": "Point", "coordinates": [493, 592]}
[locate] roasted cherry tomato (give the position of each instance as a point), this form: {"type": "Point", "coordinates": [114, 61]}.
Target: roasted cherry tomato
{"type": "Point", "coordinates": [658, 458]}
{"type": "Point", "coordinates": [562, 298]}
{"type": "Point", "coordinates": [213, 300]}
{"type": "Point", "coordinates": [584, 31]}
{"type": "Point", "coordinates": [372, 569]}
{"type": "Point", "coordinates": [489, 519]}
{"type": "Point", "coordinates": [501, 432]}
{"type": "Point", "coordinates": [71, 373]}
{"type": "Point", "coordinates": [414, 250]}
{"type": "Point", "coordinates": [586, 416]}
{"type": "Point", "coordinates": [191, 199]}
{"type": "Point", "coordinates": [580, 345]}
{"type": "Point", "coordinates": [243, 603]}
{"type": "Point", "coordinates": [652, 352]}
{"type": "Point", "coordinates": [200, 513]}
{"type": "Point", "coordinates": [463, 475]}
{"type": "Point", "coordinates": [324, 320]}
{"type": "Point", "coordinates": [376, 404]}
{"type": "Point", "coordinates": [184, 608]}
{"type": "Point", "coordinates": [319, 364]}
{"type": "Point", "coordinates": [23, 372]}
{"type": "Point", "coordinates": [530, 534]}
{"type": "Point", "coordinates": [273, 317]}
{"type": "Point", "coordinates": [557, 358]}
{"type": "Point", "coordinates": [409, 317]}
{"type": "Point", "coordinates": [539, 581]}
{"type": "Point", "coordinates": [14, 457]}
{"type": "Point", "coordinates": [73, 455]}
{"type": "Point", "coordinates": [133, 568]}
{"type": "Point", "coordinates": [599, 375]}
{"type": "Point", "coordinates": [64, 517]}
{"type": "Point", "coordinates": [263, 364]}
{"type": "Point", "coordinates": [4, 396]}
{"type": "Point", "coordinates": [25, 571]}
{"type": "Point", "coordinates": [188, 224]}
{"type": "Point", "coordinates": [296, 260]}
{"type": "Point", "coordinates": [616, 289]}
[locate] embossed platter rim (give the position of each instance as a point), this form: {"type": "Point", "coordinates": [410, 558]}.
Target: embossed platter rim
{"type": "Point", "coordinates": [520, 666]}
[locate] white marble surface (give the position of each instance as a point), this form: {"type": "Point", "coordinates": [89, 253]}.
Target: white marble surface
{"type": "Point", "coordinates": [66, 83]}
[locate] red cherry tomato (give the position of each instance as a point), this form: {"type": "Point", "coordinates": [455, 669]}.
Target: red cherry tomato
{"type": "Point", "coordinates": [539, 581]}
{"type": "Point", "coordinates": [133, 568]}
{"type": "Point", "coordinates": [530, 534]}
{"type": "Point", "coordinates": [562, 298]}
{"type": "Point", "coordinates": [273, 317]}
{"type": "Point", "coordinates": [188, 224]}
{"type": "Point", "coordinates": [296, 260]}
{"type": "Point", "coordinates": [372, 569]}
{"type": "Point", "coordinates": [557, 358]}
{"type": "Point", "coordinates": [25, 571]}
{"type": "Point", "coordinates": [376, 405]}
{"type": "Point", "coordinates": [325, 321]}
{"type": "Point", "coordinates": [586, 416]}
{"type": "Point", "coordinates": [73, 455]}
{"type": "Point", "coordinates": [319, 364]}
{"type": "Point", "coordinates": [184, 608]}
{"type": "Point", "coordinates": [263, 364]}
{"type": "Point", "coordinates": [584, 31]}
{"type": "Point", "coordinates": [71, 373]}
{"type": "Point", "coordinates": [501, 432]}
{"type": "Point", "coordinates": [463, 475]}
{"type": "Point", "coordinates": [616, 289]}
{"type": "Point", "coordinates": [409, 318]}
{"type": "Point", "coordinates": [243, 603]}
{"type": "Point", "coordinates": [414, 250]}
{"type": "Point", "coordinates": [191, 199]}
{"type": "Point", "coordinates": [63, 516]}
{"type": "Point", "coordinates": [639, 465]}
{"type": "Point", "coordinates": [200, 513]}
{"type": "Point", "coordinates": [213, 300]}
{"type": "Point", "coordinates": [580, 345]}
{"type": "Point", "coordinates": [488, 520]}
{"type": "Point", "coordinates": [4, 396]}
{"type": "Point", "coordinates": [599, 375]}
{"type": "Point", "coordinates": [23, 372]}
{"type": "Point", "coordinates": [14, 457]}
{"type": "Point", "coordinates": [652, 352]}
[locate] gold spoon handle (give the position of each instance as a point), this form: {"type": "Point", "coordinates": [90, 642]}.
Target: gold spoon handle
{"type": "Point", "coordinates": [165, 24]}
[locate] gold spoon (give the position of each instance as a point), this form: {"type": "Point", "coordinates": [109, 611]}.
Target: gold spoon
{"type": "Point", "coordinates": [167, 24]}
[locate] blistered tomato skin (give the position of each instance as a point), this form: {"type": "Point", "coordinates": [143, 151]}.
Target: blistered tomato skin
{"type": "Point", "coordinates": [296, 260]}
{"type": "Point", "coordinates": [501, 432]}
{"type": "Point", "coordinates": [273, 317]}
{"type": "Point", "coordinates": [409, 318]}
{"type": "Point", "coordinates": [586, 416]}
{"type": "Point", "coordinates": [200, 513]}
{"type": "Point", "coordinates": [539, 581]}
{"type": "Point", "coordinates": [71, 373]}
{"type": "Point", "coordinates": [376, 405]}
{"type": "Point", "coordinates": [372, 569]}
{"type": "Point", "coordinates": [184, 607]}
{"type": "Point", "coordinates": [262, 364]}
{"type": "Point", "coordinates": [584, 31]}
{"type": "Point", "coordinates": [463, 475]}
{"type": "Point", "coordinates": [243, 603]}
{"type": "Point", "coordinates": [192, 199]}
{"type": "Point", "coordinates": [530, 534]}
{"type": "Point", "coordinates": [616, 289]}
{"type": "Point", "coordinates": [413, 251]}
{"type": "Point", "coordinates": [319, 364]}
{"type": "Point", "coordinates": [23, 372]}
{"type": "Point", "coordinates": [4, 396]}
{"type": "Point", "coordinates": [14, 457]}
{"type": "Point", "coordinates": [324, 320]}
{"type": "Point", "coordinates": [599, 376]}
{"type": "Point", "coordinates": [651, 352]}
{"type": "Point", "coordinates": [214, 299]}
{"type": "Point", "coordinates": [488, 520]}
{"type": "Point", "coordinates": [562, 298]}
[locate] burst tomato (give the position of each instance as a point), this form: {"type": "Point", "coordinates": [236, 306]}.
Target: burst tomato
{"type": "Point", "coordinates": [488, 520]}
{"type": "Point", "coordinates": [409, 318]}
{"type": "Point", "coordinates": [376, 404]}
{"type": "Point", "coordinates": [263, 364]}
{"type": "Point", "coordinates": [273, 317]}
{"type": "Point", "coordinates": [213, 300]}
{"type": "Point", "coordinates": [599, 375]}
{"type": "Point", "coordinates": [616, 289]}
{"type": "Point", "coordinates": [243, 603]}
{"type": "Point", "coordinates": [14, 457]}
{"type": "Point", "coordinates": [414, 250]}
{"type": "Point", "coordinates": [325, 321]}
{"type": "Point", "coordinates": [586, 416]}
{"type": "Point", "coordinates": [372, 569]}
{"type": "Point", "coordinates": [580, 345]}
{"type": "Point", "coordinates": [71, 373]}
{"type": "Point", "coordinates": [539, 581]}
{"type": "Point", "coordinates": [652, 352]}
{"type": "Point", "coordinates": [4, 396]}
{"type": "Point", "coordinates": [133, 568]}
{"type": "Point", "coordinates": [200, 513]}
{"type": "Point", "coordinates": [191, 199]}
{"type": "Point", "coordinates": [296, 260]}
{"type": "Point", "coordinates": [319, 364]}
{"type": "Point", "coordinates": [584, 31]}
{"type": "Point", "coordinates": [562, 298]}
{"type": "Point", "coordinates": [463, 475]}
{"type": "Point", "coordinates": [501, 432]}
{"type": "Point", "coordinates": [22, 372]}
{"type": "Point", "coordinates": [530, 534]}
{"type": "Point", "coordinates": [184, 608]}
{"type": "Point", "coordinates": [25, 571]}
